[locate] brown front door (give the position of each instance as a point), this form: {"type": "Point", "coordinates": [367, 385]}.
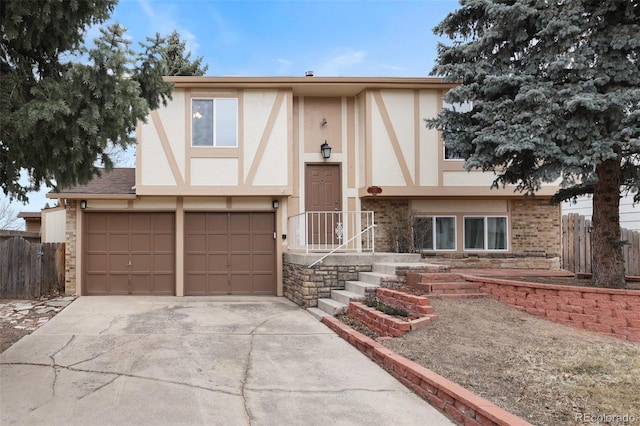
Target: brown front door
{"type": "Point", "coordinates": [230, 253]}
{"type": "Point", "coordinates": [129, 253]}
{"type": "Point", "coordinates": [322, 194]}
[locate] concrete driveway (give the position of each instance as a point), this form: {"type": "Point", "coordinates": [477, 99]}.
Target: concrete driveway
{"type": "Point", "coordinates": [197, 361]}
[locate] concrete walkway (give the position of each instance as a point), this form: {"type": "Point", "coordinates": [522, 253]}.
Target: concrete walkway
{"type": "Point", "coordinates": [197, 361]}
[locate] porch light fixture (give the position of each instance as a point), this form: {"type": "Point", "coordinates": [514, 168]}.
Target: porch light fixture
{"type": "Point", "coordinates": [83, 204]}
{"type": "Point", "coordinates": [325, 149]}
{"type": "Point", "coordinates": [275, 204]}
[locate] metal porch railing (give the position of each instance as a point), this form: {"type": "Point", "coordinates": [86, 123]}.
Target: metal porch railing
{"type": "Point", "coordinates": [346, 231]}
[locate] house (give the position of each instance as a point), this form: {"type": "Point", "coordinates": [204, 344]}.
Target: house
{"type": "Point", "coordinates": [239, 178]}
{"type": "Point", "coordinates": [32, 221]}
{"type": "Point", "coordinates": [629, 213]}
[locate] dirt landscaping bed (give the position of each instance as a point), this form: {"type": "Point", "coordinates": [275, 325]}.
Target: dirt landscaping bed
{"type": "Point", "coordinates": [544, 372]}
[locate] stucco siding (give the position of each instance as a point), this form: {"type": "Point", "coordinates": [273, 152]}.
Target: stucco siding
{"type": "Point", "coordinates": [429, 139]}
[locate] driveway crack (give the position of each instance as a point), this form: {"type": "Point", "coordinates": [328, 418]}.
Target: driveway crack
{"type": "Point", "coordinates": [245, 376]}
{"type": "Point", "coordinates": [117, 374]}
{"type": "Point", "coordinates": [55, 366]}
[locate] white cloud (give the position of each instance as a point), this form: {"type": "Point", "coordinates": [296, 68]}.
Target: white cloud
{"type": "Point", "coordinates": [342, 62]}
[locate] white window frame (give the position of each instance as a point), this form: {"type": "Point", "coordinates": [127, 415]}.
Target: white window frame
{"type": "Point", "coordinates": [486, 233]}
{"type": "Point", "coordinates": [433, 226]}
{"type": "Point", "coordinates": [214, 143]}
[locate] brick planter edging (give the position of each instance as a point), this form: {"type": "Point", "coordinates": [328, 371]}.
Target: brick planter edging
{"type": "Point", "coordinates": [387, 325]}
{"type": "Point", "coordinates": [614, 312]}
{"type": "Point", "coordinates": [456, 402]}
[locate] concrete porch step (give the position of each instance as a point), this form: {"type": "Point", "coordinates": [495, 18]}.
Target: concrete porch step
{"type": "Point", "coordinates": [332, 307]}
{"type": "Point", "coordinates": [375, 277]}
{"type": "Point", "coordinates": [359, 287]}
{"type": "Point", "coordinates": [437, 277]}
{"type": "Point", "coordinates": [390, 268]}
{"type": "Point", "coordinates": [317, 313]}
{"type": "Point", "coordinates": [345, 296]}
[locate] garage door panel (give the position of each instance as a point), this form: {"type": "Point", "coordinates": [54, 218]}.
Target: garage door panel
{"type": "Point", "coordinates": [163, 263]}
{"type": "Point", "coordinates": [195, 242]}
{"type": "Point", "coordinates": [262, 222]}
{"type": "Point", "coordinates": [232, 240]}
{"type": "Point", "coordinates": [141, 284]}
{"type": "Point", "coordinates": [163, 284]}
{"type": "Point", "coordinates": [141, 223]}
{"type": "Point", "coordinates": [241, 243]}
{"type": "Point", "coordinates": [118, 283]}
{"type": "Point", "coordinates": [263, 243]}
{"type": "Point", "coordinates": [217, 262]}
{"type": "Point", "coordinates": [195, 262]}
{"type": "Point", "coordinates": [118, 223]}
{"type": "Point", "coordinates": [217, 242]}
{"type": "Point", "coordinates": [262, 262]}
{"type": "Point", "coordinates": [129, 253]}
{"type": "Point", "coordinates": [118, 262]}
{"type": "Point", "coordinates": [263, 283]}
{"type": "Point", "coordinates": [241, 283]}
{"type": "Point", "coordinates": [141, 263]}
{"type": "Point", "coordinates": [240, 262]}
{"type": "Point", "coordinates": [99, 282]}
{"type": "Point", "coordinates": [215, 222]}
{"type": "Point", "coordinates": [96, 242]}
{"type": "Point", "coordinates": [239, 223]}
{"type": "Point", "coordinates": [195, 224]}
{"type": "Point", "coordinates": [163, 242]}
{"type": "Point", "coordinates": [98, 222]}
{"type": "Point", "coordinates": [118, 242]}
{"type": "Point", "coordinates": [141, 242]}
{"type": "Point", "coordinates": [97, 263]}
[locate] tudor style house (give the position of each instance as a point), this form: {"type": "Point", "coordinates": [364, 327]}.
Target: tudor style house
{"type": "Point", "coordinates": [237, 172]}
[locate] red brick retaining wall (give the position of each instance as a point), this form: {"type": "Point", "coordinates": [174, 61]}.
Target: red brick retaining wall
{"type": "Point", "coordinates": [457, 403]}
{"type": "Point", "coordinates": [610, 311]}
{"type": "Point", "coordinates": [416, 306]}
{"type": "Point", "coordinates": [385, 325]}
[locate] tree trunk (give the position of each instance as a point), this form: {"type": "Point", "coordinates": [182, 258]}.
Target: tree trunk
{"type": "Point", "coordinates": [608, 262]}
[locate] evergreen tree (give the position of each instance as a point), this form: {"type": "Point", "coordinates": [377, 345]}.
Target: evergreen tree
{"type": "Point", "coordinates": [176, 60]}
{"type": "Point", "coordinates": [555, 92]}
{"type": "Point", "coordinates": [61, 102]}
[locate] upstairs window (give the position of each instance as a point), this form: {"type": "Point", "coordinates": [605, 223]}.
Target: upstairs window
{"type": "Point", "coordinates": [214, 122]}
{"type": "Point", "coordinates": [434, 233]}
{"type": "Point", "coordinates": [485, 233]}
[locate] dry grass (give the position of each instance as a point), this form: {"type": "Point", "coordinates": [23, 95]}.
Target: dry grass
{"type": "Point", "coordinates": [544, 372]}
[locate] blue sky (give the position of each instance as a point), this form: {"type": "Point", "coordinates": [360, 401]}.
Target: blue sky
{"type": "Point", "coordinates": [289, 37]}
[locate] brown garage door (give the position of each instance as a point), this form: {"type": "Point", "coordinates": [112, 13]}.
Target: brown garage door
{"type": "Point", "coordinates": [129, 253]}
{"type": "Point", "coordinates": [229, 253]}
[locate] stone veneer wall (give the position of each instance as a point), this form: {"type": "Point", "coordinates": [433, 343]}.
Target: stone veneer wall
{"type": "Point", "coordinates": [392, 218]}
{"type": "Point", "coordinates": [536, 227]}
{"type": "Point", "coordinates": [304, 286]}
{"type": "Point", "coordinates": [70, 248]}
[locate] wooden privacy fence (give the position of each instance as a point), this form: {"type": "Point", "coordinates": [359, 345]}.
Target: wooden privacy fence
{"type": "Point", "coordinates": [30, 270]}
{"type": "Point", "coordinates": [576, 246]}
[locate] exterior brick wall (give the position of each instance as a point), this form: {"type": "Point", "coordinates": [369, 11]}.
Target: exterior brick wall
{"type": "Point", "coordinates": [391, 216]}
{"type": "Point", "coordinates": [70, 249]}
{"type": "Point", "coordinates": [304, 286]}
{"type": "Point", "coordinates": [610, 311]}
{"type": "Point", "coordinates": [536, 227]}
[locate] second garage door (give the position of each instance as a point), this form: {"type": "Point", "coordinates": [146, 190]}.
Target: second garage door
{"type": "Point", "coordinates": [229, 253]}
